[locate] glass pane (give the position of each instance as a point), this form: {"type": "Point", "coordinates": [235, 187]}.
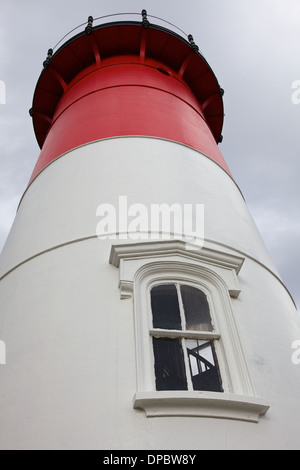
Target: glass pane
{"type": "Point", "coordinates": [165, 307]}
{"type": "Point", "coordinates": [196, 309]}
{"type": "Point", "coordinates": [169, 364]}
{"type": "Point", "coordinates": [203, 365]}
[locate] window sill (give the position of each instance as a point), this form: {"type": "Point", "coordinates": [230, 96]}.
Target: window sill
{"type": "Point", "coordinates": [201, 404]}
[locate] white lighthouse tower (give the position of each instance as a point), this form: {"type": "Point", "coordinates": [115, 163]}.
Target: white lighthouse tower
{"type": "Point", "coordinates": [139, 306]}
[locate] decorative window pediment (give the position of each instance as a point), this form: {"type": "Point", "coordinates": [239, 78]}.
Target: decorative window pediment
{"type": "Point", "coordinates": [131, 257]}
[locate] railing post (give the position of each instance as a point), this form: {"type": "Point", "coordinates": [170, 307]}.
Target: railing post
{"type": "Point", "coordinates": [89, 27]}
{"type": "Point", "coordinates": [48, 58]}
{"type": "Point", "coordinates": [145, 21]}
{"type": "Point", "coordinates": [192, 43]}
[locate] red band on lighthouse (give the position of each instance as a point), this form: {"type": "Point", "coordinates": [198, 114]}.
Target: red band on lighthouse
{"type": "Point", "coordinates": [113, 93]}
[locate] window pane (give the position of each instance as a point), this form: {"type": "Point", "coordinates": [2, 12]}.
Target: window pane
{"type": "Point", "coordinates": [169, 364]}
{"type": "Point", "coordinates": [203, 365]}
{"type": "Point", "coordinates": [165, 308]}
{"type": "Point", "coordinates": [196, 309]}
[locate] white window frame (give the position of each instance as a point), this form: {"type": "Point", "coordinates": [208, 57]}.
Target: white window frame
{"type": "Point", "coordinates": [141, 265]}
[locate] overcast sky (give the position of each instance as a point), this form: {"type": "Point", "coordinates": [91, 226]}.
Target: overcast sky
{"type": "Point", "coordinates": [253, 46]}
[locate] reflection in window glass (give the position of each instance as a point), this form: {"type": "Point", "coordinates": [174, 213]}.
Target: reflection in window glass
{"type": "Point", "coordinates": [165, 307]}
{"type": "Point", "coordinates": [203, 365]}
{"type": "Point", "coordinates": [169, 364]}
{"type": "Point", "coordinates": [196, 309]}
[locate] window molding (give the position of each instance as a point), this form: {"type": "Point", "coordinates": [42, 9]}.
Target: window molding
{"type": "Point", "coordinates": [141, 265]}
{"type": "Point", "coordinates": [200, 404]}
{"type": "Point", "coordinates": [122, 256]}
{"type": "Point", "coordinates": [186, 333]}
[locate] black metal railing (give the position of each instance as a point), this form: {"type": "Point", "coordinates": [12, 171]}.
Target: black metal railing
{"type": "Point", "coordinates": [88, 26]}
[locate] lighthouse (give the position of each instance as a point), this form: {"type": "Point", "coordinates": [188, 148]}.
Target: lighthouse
{"type": "Point", "coordinates": [140, 308]}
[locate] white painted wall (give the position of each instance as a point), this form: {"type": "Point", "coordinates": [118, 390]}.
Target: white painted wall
{"type": "Point", "coordinates": [70, 375]}
{"type": "Point", "coordinates": [60, 205]}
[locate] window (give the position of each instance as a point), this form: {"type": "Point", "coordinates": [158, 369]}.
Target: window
{"type": "Point", "coordinates": [189, 356]}
{"type": "Point", "coordinates": [189, 361]}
